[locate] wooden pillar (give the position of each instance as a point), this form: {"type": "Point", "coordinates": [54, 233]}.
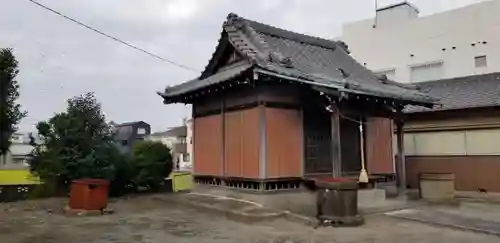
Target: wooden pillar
{"type": "Point", "coordinates": [336, 156]}
{"type": "Point", "coordinates": [400, 164]}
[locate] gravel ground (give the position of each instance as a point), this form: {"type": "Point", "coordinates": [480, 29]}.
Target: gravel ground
{"type": "Point", "coordinates": [146, 219]}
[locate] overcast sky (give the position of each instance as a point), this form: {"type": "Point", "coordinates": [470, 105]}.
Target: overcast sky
{"type": "Point", "coordinates": [59, 59]}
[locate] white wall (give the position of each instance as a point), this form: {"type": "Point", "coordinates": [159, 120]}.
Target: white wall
{"type": "Point", "coordinates": [189, 139]}
{"type": "Point", "coordinates": [19, 150]}
{"type": "Point", "coordinates": [389, 47]}
{"type": "Point", "coordinates": [168, 141]}
{"type": "Point", "coordinates": [400, 12]}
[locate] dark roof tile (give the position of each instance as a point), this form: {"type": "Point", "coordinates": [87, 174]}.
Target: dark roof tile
{"type": "Point", "coordinates": [227, 73]}
{"type": "Point", "coordinates": [309, 59]}
{"type": "Point", "coordinates": [463, 92]}
{"type": "Point", "coordinates": [180, 131]}
{"type": "Point", "coordinates": [130, 123]}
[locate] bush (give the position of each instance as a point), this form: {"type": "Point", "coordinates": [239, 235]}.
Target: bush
{"type": "Point", "coordinates": [152, 162]}
{"type": "Point", "coordinates": [76, 143]}
{"type": "Point", "coordinates": [123, 179]}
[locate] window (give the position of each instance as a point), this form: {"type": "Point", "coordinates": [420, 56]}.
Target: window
{"type": "Point", "coordinates": [18, 160]}
{"type": "Point", "coordinates": [124, 142]}
{"type": "Point", "coordinates": [141, 131]}
{"type": "Point", "coordinates": [480, 61]}
{"type": "Point", "coordinates": [426, 72]}
{"type": "Point", "coordinates": [390, 74]}
{"type": "Point", "coordinates": [186, 157]}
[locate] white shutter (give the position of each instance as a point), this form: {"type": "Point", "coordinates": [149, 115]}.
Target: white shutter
{"type": "Point", "coordinates": [483, 142]}
{"type": "Point", "coordinates": [426, 72]}
{"type": "Point", "coordinates": [440, 143]}
{"type": "Point", "coordinates": [390, 74]}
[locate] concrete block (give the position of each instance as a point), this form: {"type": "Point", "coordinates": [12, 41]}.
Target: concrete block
{"type": "Point", "coordinates": [369, 195]}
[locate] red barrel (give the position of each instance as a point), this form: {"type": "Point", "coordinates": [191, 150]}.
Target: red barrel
{"type": "Point", "coordinates": [89, 194]}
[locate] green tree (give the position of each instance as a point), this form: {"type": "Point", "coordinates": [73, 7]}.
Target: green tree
{"type": "Point", "coordinates": [10, 111]}
{"type": "Point", "coordinates": [76, 143]}
{"type": "Point", "coordinates": [152, 162]}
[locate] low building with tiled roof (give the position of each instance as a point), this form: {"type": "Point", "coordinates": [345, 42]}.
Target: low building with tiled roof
{"type": "Point", "coordinates": [460, 136]}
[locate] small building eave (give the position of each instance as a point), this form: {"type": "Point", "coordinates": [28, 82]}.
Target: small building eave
{"type": "Point", "coordinates": [428, 102]}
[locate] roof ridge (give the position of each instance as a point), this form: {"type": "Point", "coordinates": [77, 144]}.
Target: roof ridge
{"type": "Point", "coordinates": [455, 78]}
{"type": "Point", "coordinates": [251, 44]}
{"type": "Point", "coordinates": [248, 40]}
{"type": "Point", "coordinates": [291, 35]}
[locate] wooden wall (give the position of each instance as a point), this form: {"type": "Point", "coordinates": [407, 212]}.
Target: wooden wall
{"type": "Point", "coordinates": [228, 143]}
{"type": "Point", "coordinates": [284, 143]}
{"type": "Point", "coordinates": [471, 172]}
{"type": "Point", "coordinates": [379, 146]}
{"type": "Point", "coordinates": [242, 143]}
{"type": "Point", "coordinates": [207, 139]}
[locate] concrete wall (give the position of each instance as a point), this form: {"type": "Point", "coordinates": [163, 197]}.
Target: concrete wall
{"type": "Point", "coordinates": [453, 37]}
{"type": "Point", "coordinates": [395, 14]}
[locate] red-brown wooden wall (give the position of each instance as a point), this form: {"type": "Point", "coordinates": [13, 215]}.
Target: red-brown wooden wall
{"type": "Point", "coordinates": [378, 145]}
{"type": "Point", "coordinates": [207, 145]}
{"type": "Point", "coordinates": [284, 143]}
{"type": "Point", "coordinates": [242, 140]}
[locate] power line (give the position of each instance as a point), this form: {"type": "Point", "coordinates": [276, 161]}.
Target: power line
{"type": "Point", "coordinates": [112, 37]}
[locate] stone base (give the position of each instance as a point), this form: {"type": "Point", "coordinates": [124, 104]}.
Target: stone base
{"type": "Point", "coordinates": [350, 221]}
{"type": "Point", "coordinates": [81, 212]}
{"type": "Point", "coordinates": [443, 202]}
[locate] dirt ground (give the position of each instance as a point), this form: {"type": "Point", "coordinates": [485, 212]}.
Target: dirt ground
{"type": "Point", "coordinates": [148, 219]}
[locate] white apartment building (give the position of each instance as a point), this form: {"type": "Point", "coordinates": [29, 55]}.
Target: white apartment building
{"type": "Point", "coordinates": [176, 139]}
{"type": "Point", "coordinates": [189, 140]}
{"type": "Point", "coordinates": [17, 157]}
{"type": "Point", "coordinates": [408, 48]}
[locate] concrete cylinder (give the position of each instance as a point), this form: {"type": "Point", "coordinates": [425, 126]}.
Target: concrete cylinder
{"type": "Point", "coordinates": [437, 187]}
{"type": "Point", "coordinates": [339, 202]}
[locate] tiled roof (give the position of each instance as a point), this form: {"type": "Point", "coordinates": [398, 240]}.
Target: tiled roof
{"type": "Point", "coordinates": [180, 131]}
{"type": "Point", "coordinates": [229, 72]}
{"type": "Point", "coordinates": [463, 92]}
{"type": "Point", "coordinates": [305, 58]}
{"type": "Point", "coordinates": [130, 123]}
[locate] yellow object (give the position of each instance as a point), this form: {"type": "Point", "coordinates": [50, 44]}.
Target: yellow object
{"type": "Point", "coordinates": [181, 181]}
{"type": "Point", "coordinates": [17, 177]}
{"type": "Point", "coordinates": [363, 175]}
